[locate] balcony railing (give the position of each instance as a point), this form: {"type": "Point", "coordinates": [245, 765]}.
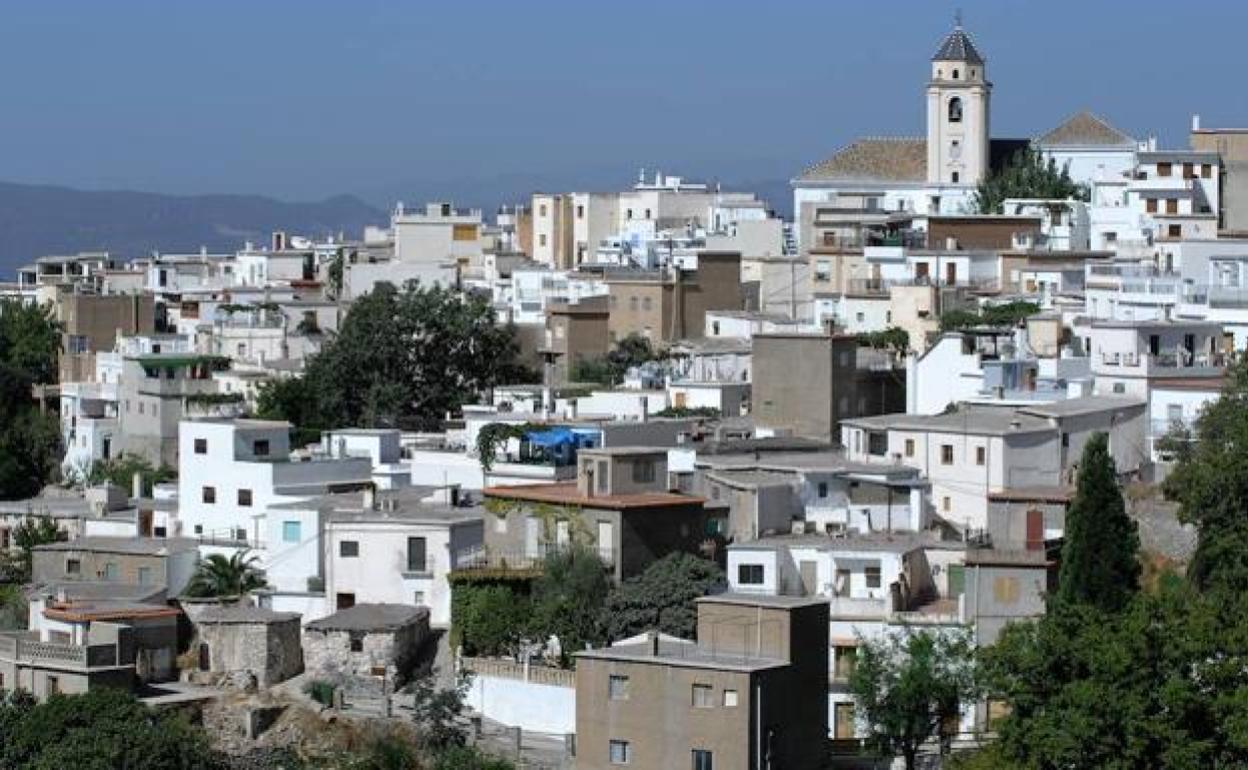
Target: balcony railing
{"type": "Point", "coordinates": [483, 557]}
{"type": "Point", "coordinates": [35, 652]}
{"type": "Point", "coordinates": [509, 669]}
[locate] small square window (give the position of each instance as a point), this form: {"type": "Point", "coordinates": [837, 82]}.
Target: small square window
{"type": "Point", "coordinates": [201, 446]}
{"type": "Point", "coordinates": [909, 447]}
{"type": "Point", "coordinates": [703, 696]}
{"type": "Point", "coordinates": [980, 455]}
{"type": "Point", "coordinates": [750, 574]}
{"type": "Point", "coordinates": [619, 752]}
{"type": "Point", "coordinates": [357, 643]}
{"type": "Point", "coordinates": [260, 448]}
{"type": "Point", "coordinates": [702, 760]}
{"type": "Point", "coordinates": [873, 576]}
{"type": "Point", "coordinates": [946, 454]}
{"type": "Point", "coordinates": [73, 567]}
{"type": "Point", "coordinates": [209, 495]}
{"type": "Point", "coordinates": [730, 699]}
{"type": "Point", "coordinates": [823, 489]}
{"type": "Point", "coordinates": [244, 498]}
{"type": "Point", "coordinates": [349, 549]}
{"type": "Point", "coordinates": [292, 531]}
{"type": "Point", "coordinates": [617, 687]}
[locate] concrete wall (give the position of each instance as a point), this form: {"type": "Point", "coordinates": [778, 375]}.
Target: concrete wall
{"type": "Point", "coordinates": [543, 708]}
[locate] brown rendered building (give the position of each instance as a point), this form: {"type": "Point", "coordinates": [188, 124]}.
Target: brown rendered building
{"type": "Point", "coordinates": [619, 505]}
{"type": "Point", "coordinates": [672, 305]}
{"type": "Point", "coordinates": [91, 323]}
{"type": "Point", "coordinates": [751, 692]}
{"type": "Point", "coordinates": [576, 332]}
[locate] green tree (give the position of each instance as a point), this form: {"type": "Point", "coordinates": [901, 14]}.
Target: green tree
{"type": "Point", "coordinates": [893, 338]}
{"type": "Point", "coordinates": [1159, 684]}
{"type": "Point", "coordinates": [908, 684]}
{"type": "Point", "coordinates": [1027, 175]}
{"type": "Point", "coordinates": [120, 471]}
{"type": "Point", "coordinates": [100, 730]}
{"type": "Point", "coordinates": [15, 567]}
{"type": "Point", "coordinates": [292, 399]}
{"type": "Point", "coordinates": [662, 597]}
{"type": "Point", "coordinates": [469, 758]}
{"type": "Point", "coordinates": [403, 358]}
{"type": "Point", "coordinates": [1210, 484]}
{"type": "Point", "coordinates": [30, 340]}
{"type": "Point", "coordinates": [217, 575]}
{"type": "Point", "coordinates": [30, 449]}
{"type": "Point", "coordinates": [437, 710]}
{"type": "Point", "coordinates": [1100, 562]}
{"type": "Point", "coordinates": [14, 609]}
{"type": "Point", "coordinates": [568, 598]}
{"type": "Point", "coordinates": [489, 618]}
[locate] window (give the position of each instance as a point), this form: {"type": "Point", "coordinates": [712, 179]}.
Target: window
{"type": "Point", "coordinates": [1005, 590]}
{"type": "Point", "coordinates": [541, 210]}
{"type": "Point", "coordinates": [873, 576]}
{"type": "Point", "coordinates": [955, 74]}
{"type": "Point", "coordinates": [541, 239]}
{"type": "Point", "coordinates": [954, 177]}
{"type": "Point", "coordinates": [750, 574]}
{"type": "Point", "coordinates": [1151, 205]}
{"type": "Point", "coordinates": [356, 643]}
{"type": "Point", "coordinates": [619, 752]}
{"type": "Point", "coordinates": [344, 601]}
{"type": "Point", "coordinates": [418, 598]}
{"type": "Point", "coordinates": [860, 316]}
{"type": "Point", "coordinates": [199, 529]}
{"type": "Point", "coordinates": [703, 696]}
{"type": "Point", "coordinates": [54, 685]}
{"type": "Point", "coordinates": [946, 454]}
{"type": "Point", "coordinates": [823, 489]}
{"type": "Point", "coordinates": [945, 503]}
{"type": "Point", "coordinates": [1174, 231]}
{"type": "Point", "coordinates": [1163, 169]}
{"type": "Point", "coordinates": [580, 212]}
{"type": "Point", "coordinates": [980, 455]}
{"type": "Point", "coordinates": [1206, 171]}
{"type": "Point", "coordinates": [702, 760]}
{"type": "Point", "coordinates": [1120, 387]}
{"type": "Point", "coordinates": [416, 561]}
{"type": "Point", "coordinates": [730, 699]}
{"type": "Point", "coordinates": [349, 549]}
{"type": "Point", "coordinates": [647, 213]}
{"type": "Point", "coordinates": [632, 304]}
{"type": "Point", "coordinates": [112, 572]}
{"type": "Point", "coordinates": [628, 213]}
{"type": "Point", "coordinates": [260, 447]}
{"type": "Point", "coordinates": [201, 446]}
{"type": "Point", "coordinates": [209, 495]}
{"type": "Point", "coordinates": [646, 303]}
{"type": "Point", "coordinates": [145, 576]}
{"type": "Point", "coordinates": [844, 657]}
{"type": "Point", "coordinates": [643, 471]}
{"type": "Point", "coordinates": [292, 531]}
{"type": "Point", "coordinates": [909, 447]}
{"type": "Point", "coordinates": [617, 687]}
{"type": "Point", "coordinates": [1188, 171]}
{"type": "Point", "coordinates": [1172, 205]}
{"type": "Point", "coordinates": [244, 498]}
{"type": "Point", "coordinates": [823, 270]}
{"type": "Point", "coordinates": [73, 567]}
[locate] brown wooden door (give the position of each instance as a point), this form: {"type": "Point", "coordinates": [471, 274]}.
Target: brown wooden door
{"type": "Point", "coordinates": [951, 273]}
{"type": "Point", "coordinates": [843, 715]}
{"type": "Point", "coordinates": [1035, 530]}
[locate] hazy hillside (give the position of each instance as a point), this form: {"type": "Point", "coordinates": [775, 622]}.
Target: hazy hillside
{"type": "Point", "coordinates": [36, 220]}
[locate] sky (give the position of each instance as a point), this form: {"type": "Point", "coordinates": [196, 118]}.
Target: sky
{"type": "Point", "coordinates": [395, 99]}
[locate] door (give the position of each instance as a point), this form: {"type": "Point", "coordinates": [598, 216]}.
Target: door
{"type": "Point", "coordinates": [532, 537]}
{"type": "Point", "coordinates": [1035, 530]}
{"type": "Point", "coordinates": [810, 577]}
{"type": "Point", "coordinates": [842, 582]}
{"type": "Point", "coordinates": [920, 271]}
{"type": "Point", "coordinates": [951, 273]}
{"type": "Point", "coordinates": [606, 541]}
{"type": "Point", "coordinates": [682, 399]}
{"type": "Point", "coordinates": [843, 716]}
{"type": "Point", "coordinates": [205, 659]}
{"type": "Point", "coordinates": [957, 580]}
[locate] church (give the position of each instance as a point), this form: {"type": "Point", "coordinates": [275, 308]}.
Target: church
{"type": "Point", "coordinates": [878, 185]}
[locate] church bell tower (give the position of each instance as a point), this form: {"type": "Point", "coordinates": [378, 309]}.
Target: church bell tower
{"type": "Point", "coordinates": [957, 112]}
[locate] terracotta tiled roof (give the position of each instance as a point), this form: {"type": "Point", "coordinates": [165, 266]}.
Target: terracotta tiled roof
{"type": "Point", "coordinates": [1082, 129]}
{"type": "Point", "coordinates": [892, 159]}
{"type": "Point", "coordinates": [958, 47]}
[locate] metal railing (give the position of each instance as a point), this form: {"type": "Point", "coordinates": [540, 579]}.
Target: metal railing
{"type": "Point", "coordinates": [484, 557]}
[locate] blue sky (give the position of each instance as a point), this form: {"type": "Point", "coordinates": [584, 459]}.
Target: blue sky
{"type": "Point", "coordinates": [384, 99]}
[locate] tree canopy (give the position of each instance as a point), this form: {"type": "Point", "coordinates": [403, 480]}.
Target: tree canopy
{"type": "Point", "coordinates": [1100, 557]}
{"type": "Point", "coordinates": [633, 350]}
{"type": "Point", "coordinates": [1026, 175]}
{"type": "Point", "coordinates": [661, 597]}
{"type": "Point", "coordinates": [1002, 314]}
{"type": "Point", "coordinates": [30, 441]}
{"type": "Point", "coordinates": [100, 730]}
{"type": "Point", "coordinates": [219, 575]}
{"type": "Point", "coordinates": [1210, 484]}
{"type": "Point", "coordinates": [910, 683]}
{"type": "Point", "coordinates": [401, 358]}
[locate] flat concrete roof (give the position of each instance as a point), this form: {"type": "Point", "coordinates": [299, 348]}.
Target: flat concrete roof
{"type": "Point", "coordinates": [371, 618]}
{"type": "Point", "coordinates": [138, 546]}
{"type": "Point", "coordinates": [568, 494]}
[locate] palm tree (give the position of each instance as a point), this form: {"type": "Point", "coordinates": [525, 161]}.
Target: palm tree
{"type": "Point", "coordinates": [218, 575]}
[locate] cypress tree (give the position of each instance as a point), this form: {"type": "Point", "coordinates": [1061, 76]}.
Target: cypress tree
{"type": "Point", "coordinates": [1100, 565]}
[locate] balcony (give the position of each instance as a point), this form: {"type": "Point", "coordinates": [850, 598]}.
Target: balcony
{"type": "Point", "coordinates": [26, 650]}
{"type": "Point", "coordinates": [486, 558]}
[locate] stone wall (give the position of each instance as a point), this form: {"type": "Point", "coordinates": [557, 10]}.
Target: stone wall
{"type": "Point", "coordinates": [329, 656]}
{"type": "Point", "coordinates": [270, 651]}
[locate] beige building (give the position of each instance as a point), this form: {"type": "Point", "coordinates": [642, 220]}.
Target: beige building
{"type": "Point", "coordinates": [668, 306]}
{"type": "Point", "coordinates": [576, 332]}
{"type": "Point", "coordinates": [1232, 145]}
{"type": "Point", "coordinates": [805, 384]}
{"type": "Point", "coordinates": [92, 322]}
{"type": "Point", "coordinates": [750, 692]}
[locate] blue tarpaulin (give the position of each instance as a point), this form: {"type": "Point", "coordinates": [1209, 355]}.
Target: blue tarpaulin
{"type": "Point", "coordinates": [552, 437]}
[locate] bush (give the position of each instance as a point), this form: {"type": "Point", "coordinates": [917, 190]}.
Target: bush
{"type": "Point", "coordinates": [469, 758]}
{"type": "Point", "coordinates": [320, 691]}
{"type": "Point", "coordinates": [489, 618]}
{"type": "Point", "coordinates": [662, 597]}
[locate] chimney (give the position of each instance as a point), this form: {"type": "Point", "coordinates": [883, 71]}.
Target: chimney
{"type": "Point", "coordinates": [136, 484]}
{"type": "Point", "coordinates": [1196, 122]}
{"type": "Point", "coordinates": [370, 498]}
{"type": "Point", "coordinates": [653, 636]}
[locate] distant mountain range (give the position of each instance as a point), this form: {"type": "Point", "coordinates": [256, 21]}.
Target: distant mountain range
{"type": "Point", "coordinates": [36, 220]}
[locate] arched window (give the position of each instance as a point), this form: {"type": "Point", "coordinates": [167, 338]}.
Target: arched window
{"type": "Point", "coordinates": [955, 110]}
{"type": "Point", "coordinates": [955, 74]}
